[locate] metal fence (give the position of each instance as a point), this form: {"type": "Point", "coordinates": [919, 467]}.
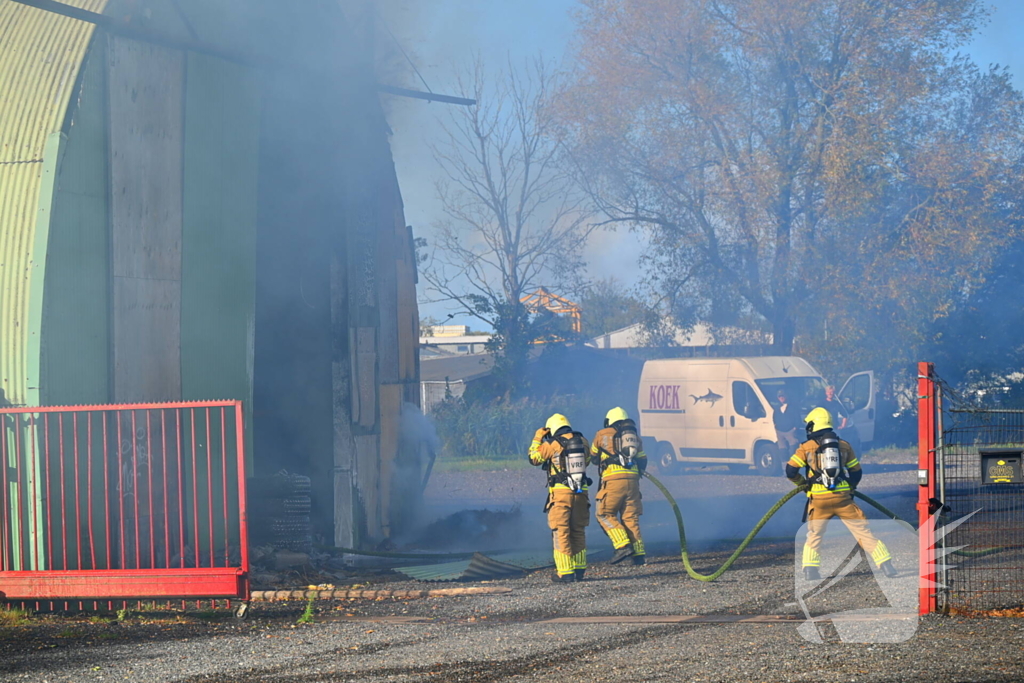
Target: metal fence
{"type": "Point", "coordinates": [989, 570]}
{"type": "Point", "coordinates": [123, 502]}
{"type": "Point", "coordinates": [433, 392]}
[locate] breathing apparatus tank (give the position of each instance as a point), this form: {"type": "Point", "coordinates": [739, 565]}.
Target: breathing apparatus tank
{"type": "Point", "coordinates": [627, 443]}
{"type": "Point", "coordinates": [574, 461]}
{"type": "Point", "coordinates": [830, 461]}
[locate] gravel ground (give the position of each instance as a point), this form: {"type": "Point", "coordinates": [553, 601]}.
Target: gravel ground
{"type": "Point", "coordinates": [508, 638]}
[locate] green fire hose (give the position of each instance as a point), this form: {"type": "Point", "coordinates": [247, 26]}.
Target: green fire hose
{"type": "Point", "coordinates": [753, 532]}
{"type": "Point", "coordinates": [693, 573]}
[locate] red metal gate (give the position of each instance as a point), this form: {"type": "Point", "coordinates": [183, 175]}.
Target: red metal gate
{"type": "Point", "coordinates": [120, 502]}
{"type": "Point", "coordinates": [977, 563]}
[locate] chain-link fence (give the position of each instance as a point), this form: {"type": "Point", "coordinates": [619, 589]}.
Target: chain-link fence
{"type": "Point", "coordinates": [978, 469]}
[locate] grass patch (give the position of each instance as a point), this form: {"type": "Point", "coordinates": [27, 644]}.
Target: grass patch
{"type": "Point", "coordinates": [307, 614]}
{"type": "Point", "coordinates": [14, 617]}
{"type": "Point", "coordinates": [481, 464]}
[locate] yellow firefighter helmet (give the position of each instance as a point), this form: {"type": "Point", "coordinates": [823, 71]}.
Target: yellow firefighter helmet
{"type": "Point", "coordinates": [818, 419]}
{"type": "Point", "coordinates": [614, 415]}
{"type": "Point", "coordinates": [556, 422]}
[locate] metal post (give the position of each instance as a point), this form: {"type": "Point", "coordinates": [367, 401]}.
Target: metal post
{"type": "Point", "coordinates": [940, 479]}
{"type": "Point", "coordinates": [926, 487]}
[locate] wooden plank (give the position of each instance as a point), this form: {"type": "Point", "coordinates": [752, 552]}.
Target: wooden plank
{"type": "Point", "coordinates": [387, 286]}
{"type": "Point", "coordinates": [146, 85]}
{"type": "Point", "coordinates": [368, 483]}
{"type": "Point", "coordinates": [365, 388]}
{"type": "Point", "coordinates": [345, 535]}
{"type": "Point", "coordinates": [390, 417]}
{"type": "Point", "coordinates": [408, 337]}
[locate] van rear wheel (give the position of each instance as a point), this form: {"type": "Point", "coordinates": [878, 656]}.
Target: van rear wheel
{"type": "Point", "coordinates": [768, 459]}
{"type": "Point", "coordinates": [667, 463]}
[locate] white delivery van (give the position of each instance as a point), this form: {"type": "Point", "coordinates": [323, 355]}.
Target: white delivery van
{"type": "Point", "coordinates": [720, 410]}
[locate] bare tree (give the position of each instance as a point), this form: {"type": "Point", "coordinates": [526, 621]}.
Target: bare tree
{"type": "Point", "coordinates": [513, 219]}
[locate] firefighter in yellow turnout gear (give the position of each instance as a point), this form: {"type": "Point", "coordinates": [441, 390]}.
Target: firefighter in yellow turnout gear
{"type": "Point", "coordinates": [563, 453]}
{"type": "Point", "coordinates": [833, 471]}
{"type": "Point", "coordinates": [618, 452]}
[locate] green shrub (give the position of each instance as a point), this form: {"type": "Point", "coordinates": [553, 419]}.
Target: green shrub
{"type": "Point", "coordinates": [502, 429]}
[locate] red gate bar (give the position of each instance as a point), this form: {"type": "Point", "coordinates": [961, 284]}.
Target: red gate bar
{"type": "Point", "coordinates": [123, 502]}
{"type": "Point", "coordinates": [927, 595]}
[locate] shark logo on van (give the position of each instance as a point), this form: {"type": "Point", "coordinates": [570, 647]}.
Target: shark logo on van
{"type": "Point", "coordinates": [710, 397]}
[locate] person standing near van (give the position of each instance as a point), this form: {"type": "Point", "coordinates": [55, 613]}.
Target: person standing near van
{"type": "Point", "coordinates": [833, 471]}
{"type": "Point", "coordinates": [618, 452]}
{"type": "Point", "coordinates": [786, 424]}
{"type": "Point", "coordinates": [835, 407]}
{"type": "Point", "coordinates": [563, 453]}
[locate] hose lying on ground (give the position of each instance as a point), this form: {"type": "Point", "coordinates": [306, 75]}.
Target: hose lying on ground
{"type": "Point", "coordinates": [682, 535]}
{"type": "Point", "coordinates": [750, 537]}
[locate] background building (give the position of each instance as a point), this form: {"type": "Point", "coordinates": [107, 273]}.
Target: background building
{"type": "Point", "coordinates": [198, 201]}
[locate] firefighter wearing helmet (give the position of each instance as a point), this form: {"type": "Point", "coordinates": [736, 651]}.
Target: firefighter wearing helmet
{"type": "Point", "coordinates": [619, 455]}
{"type": "Point", "coordinates": [563, 453]}
{"type": "Point", "coordinates": [833, 471]}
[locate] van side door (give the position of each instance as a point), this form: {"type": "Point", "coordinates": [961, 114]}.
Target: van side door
{"type": "Point", "coordinates": [750, 421]}
{"type": "Point", "coordinates": [858, 397]}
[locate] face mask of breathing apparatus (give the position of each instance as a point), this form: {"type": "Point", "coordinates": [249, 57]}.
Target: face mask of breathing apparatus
{"type": "Point", "coordinates": [830, 461]}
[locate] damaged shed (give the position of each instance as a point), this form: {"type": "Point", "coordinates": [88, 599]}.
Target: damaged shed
{"type": "Point", "coordinates": [197, 202]}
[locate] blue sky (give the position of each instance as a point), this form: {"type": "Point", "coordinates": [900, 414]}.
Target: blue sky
{"type": "Point", "coordinates": [451, 32]}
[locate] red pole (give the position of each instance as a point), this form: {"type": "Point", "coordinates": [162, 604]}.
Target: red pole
{"type": "Point", "coordinates": [5, 564]}
{"type": "Point", "coordinates": [926, 488]}
{"type": "Point", "coordinates": [209, 484]}
{"type": "Point", "coordinates": [224, 484]}
{"type": "Point", "coordinates": [243, 524]}
{"type": "Point", "coordinates": [149, 479]}
{"type": "Point", "coordinates": [78, 496]}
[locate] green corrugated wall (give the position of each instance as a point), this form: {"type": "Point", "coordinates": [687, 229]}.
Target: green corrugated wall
{"type": "Point", "coordinates": [40, 54]}
{"type": "Point", "coordinates": [75, 355]}
{"type": "Point", "coordinates": [218, 279]}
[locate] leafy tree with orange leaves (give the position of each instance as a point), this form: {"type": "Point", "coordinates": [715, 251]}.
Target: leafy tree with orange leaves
{"type": "Point", "coordinates": [829, 166]}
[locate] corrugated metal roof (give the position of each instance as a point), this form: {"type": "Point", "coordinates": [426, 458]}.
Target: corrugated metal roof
{"type": "Point", "coordinates": [40, 55]}
{"type": "Point", "coordinates": [481, 567]}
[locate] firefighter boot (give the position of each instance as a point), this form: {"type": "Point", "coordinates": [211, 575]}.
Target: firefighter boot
{"type": "Point", "coordinates": [811, 574]}
{"type": "Point", "coordinates": [621, 554]}
{"type": "Point", "coordinates": [580, 573]}
{"type": "Point", "coordinates": [639, 560]}
{"type": "Point", "coordinates": [888, 570]}
{"type": "Point", "coordinates": [563, 578]}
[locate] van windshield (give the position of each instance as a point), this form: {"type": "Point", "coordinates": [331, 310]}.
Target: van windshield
{"type": "Point", "coordinates": [803, 393]}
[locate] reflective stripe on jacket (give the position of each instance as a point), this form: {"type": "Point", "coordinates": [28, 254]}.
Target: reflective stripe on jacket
{"type": "Point", "coordinates": [603, 455]}
{"type": "Point", "coordinates": [541, 452]}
